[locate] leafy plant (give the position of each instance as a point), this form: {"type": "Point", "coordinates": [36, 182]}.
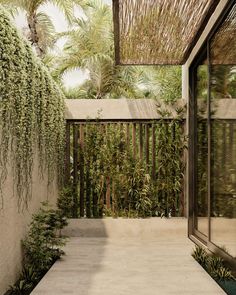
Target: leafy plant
{"type": "Point", "coordinates": [170, 171]}
{"type": "Point", "coordinates": [43, 243]}
{"type": "Point", "coordinates": [65, 201]}
{"type": "Point", "coordinates": [201, 256]}
{"type": "Point", "coordinates": [121, 183]}
{"type": "Point", "coordinates": [223, 274]}
{"type": "Point", "coordinates": [22, 287]}
{"type": "Point", "coordinates": [214, 265]}
{"type": "Point", "coordinates": [42, 247]}
{"type": "Point", "coordinates": [28, 279]}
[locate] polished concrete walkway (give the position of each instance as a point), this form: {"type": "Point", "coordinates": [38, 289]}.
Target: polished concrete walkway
{"type": "Point", "coordinates": [127, 257]}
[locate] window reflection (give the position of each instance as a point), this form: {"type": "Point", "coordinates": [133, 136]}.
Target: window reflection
{"type": "Point", "coordinates": [201, 207]}
{"type": "Point", "coordinates": [223, 135]}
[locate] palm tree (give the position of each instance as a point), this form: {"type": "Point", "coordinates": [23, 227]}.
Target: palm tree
{"type": "Point", "coordinates": [90, 46]}
{"type": "Point", "coordinates": [41, 31]}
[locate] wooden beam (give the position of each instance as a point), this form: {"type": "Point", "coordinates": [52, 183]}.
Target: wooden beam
{"type": "Point", "coordinates": [88, 182]}
{"type": "Point", "coordinates": [108, 193]}
{"type": "Point", "coordinates": [67, 155]}
{"type": "Point", "coordinates": [127, 134]}
{"type": "Point", "coordinates": [147, 143]}
{"type": "Point", "coordinates": [75, 171]}
{"type": "Point", "coordinates": [134, 139]}
{"type": "Point", "coordinates": [153, 151]}
{"type": "Point", "coordinates": [141, 141]}
{"type": "Point", "coordinates": [81, 170]}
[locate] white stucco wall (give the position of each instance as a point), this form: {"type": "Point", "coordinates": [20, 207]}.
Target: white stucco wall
{"type": "Point", "coordinates": [14, 226]}
{"type": "Point", "coordinates": [185, 68]}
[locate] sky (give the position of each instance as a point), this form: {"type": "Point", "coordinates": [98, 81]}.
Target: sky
{"type": "Point", "coordinates": [73, 78]}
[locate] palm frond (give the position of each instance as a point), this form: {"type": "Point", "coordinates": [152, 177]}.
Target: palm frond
{"type": "Point", "coordinates": [67, 7]}
{"type": "Point", "coordinates": [45, 30]}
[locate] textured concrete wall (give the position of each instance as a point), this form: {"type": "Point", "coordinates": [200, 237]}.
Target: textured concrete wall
{"type": "Point", "coordinates": [163, 229]}
{"type": "Point", "coordinates": [14, 226]}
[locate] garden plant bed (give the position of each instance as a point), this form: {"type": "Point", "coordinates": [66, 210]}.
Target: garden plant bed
{"type": "Point", "coordinates": [21, 284]}
{"type": "Point", "coordinates": [217, 268]}
{"type": "Point", "coordinates": [42, 248]}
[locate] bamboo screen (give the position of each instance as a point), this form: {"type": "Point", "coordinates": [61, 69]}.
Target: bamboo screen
{"type": "Point", "coordinates": [158, 31]}
{"type": "Point", "coordinates": [223, 45]}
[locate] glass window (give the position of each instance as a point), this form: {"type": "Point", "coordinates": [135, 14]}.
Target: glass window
{"type": "Point", "coordinates": [201, 204]}
{"type": "Point", "coordinates": [223, 134]}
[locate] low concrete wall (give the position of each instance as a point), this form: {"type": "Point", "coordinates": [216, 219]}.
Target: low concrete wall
{"type": "Point", "coordinates": [162, 229]}
{"type": "Point", "coordinates": [14, 226]}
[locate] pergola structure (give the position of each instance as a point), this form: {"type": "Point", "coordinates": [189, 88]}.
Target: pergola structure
{"type": "Point", "coordinates": [200, 36]}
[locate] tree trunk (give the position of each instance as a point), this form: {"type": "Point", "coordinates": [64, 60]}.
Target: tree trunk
{"type": "Point", "coordinates": [33, 37]}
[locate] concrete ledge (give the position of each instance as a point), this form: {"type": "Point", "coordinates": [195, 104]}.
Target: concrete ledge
{"type": "Point", "coordinates": [151, 228]}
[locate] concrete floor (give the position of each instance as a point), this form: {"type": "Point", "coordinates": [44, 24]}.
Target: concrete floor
{"type": "Point", "coordinates": [115, 262]}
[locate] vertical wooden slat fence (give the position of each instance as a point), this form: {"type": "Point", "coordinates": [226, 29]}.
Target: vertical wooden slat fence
{"type": "Point", "coordinates": [67, 155]}
{"type": "Point", "coordinates": [141, 137]}
{"type": "Point", "coordinates": [153, 152]}
{"type": "Point", "coordinates": [134, 139]}
{"type": "Point", "coordinates": [75, 171]}
{"type": "Point", "coordinates": [82, 170]}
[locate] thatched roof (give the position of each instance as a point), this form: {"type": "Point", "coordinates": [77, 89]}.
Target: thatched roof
{"type": "Point", "coordinates": [118, 109]}
{"type": "Point", "coordinates": [223, 45]}
{"type": "Point", "coordinates": [158, 31]}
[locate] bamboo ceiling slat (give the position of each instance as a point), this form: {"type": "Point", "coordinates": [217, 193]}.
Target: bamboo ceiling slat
{"type": "Point", "coordinates": [223, 44]}
{"type": "Point", "coordinates": [158, 31]}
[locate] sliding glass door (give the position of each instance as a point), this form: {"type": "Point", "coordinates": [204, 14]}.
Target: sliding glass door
{"type": "Point", "coordinates": [222, 57]}
{"type": "Point", "coordinates": [213, 139]}
{"type": "Point", "coordinates": [201, 150]}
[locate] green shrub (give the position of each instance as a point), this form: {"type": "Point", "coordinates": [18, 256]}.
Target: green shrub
{"type": "Point", "coordinates": [109, 157]}
{"type": "Point", "coordinates": [42, 247]}
{"type": "Point", "coordinates": [28, 279]}
{"type": "Point", "coordinates": [43, 243]}
{"type": "Point", "coordinates": [223, 274]}
{"type": "Point", "coordinates": [65, 201]}
{"type": "Point", "coordinates": [201, 256]}
{"type": "Point", "coordinates": [111, 166]}
{"type": "Point", "coordinates": [214, 265]}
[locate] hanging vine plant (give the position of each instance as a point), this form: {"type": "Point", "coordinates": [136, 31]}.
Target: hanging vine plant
{"type": "Point", "coordinates": [31, 112]}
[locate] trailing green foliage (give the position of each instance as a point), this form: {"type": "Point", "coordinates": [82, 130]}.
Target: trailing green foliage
{"type": "Point", "coordinates": [42, 247]}
{"type": "Point", "coordinates": [31, 111]}
{"type": "Point", "coordinates": [214, 265]}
